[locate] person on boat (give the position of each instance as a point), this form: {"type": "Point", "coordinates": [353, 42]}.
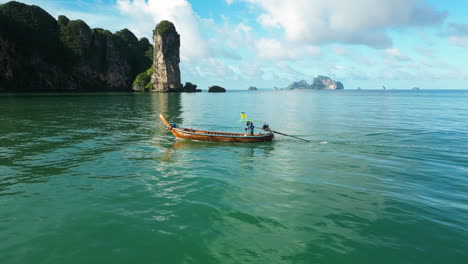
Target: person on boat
{"type": "Point", "coordinates": [250, 128]}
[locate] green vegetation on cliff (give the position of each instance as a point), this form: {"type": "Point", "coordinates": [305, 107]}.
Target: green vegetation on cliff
{"type": "Point", "coordinates": [145, 45]}
{"type": "Point", "coordinates": [134, 51]}
{"type": "Point", "coordinates": [31, 28]}
{"type": "Point", "coordinates": [163, 27]}
{"type": "Point", "coordinates": [142, 82]}
{"type": "Point", "coordinates": [75, 35]}
{"type": "Point", "coordinates": [40, 53]}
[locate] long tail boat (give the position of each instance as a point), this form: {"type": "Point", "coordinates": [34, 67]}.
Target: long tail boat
{"type": "Point", "coordinates": [203, 135]}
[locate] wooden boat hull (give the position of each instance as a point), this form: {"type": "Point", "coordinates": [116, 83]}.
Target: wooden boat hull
{"type": "Point", "coordinates": [203, 135]}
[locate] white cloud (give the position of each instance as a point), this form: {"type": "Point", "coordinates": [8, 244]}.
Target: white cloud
{"type": "Point", "coordinates": [273, 49]}
{"type": "Point", "coordinates": [338, 50]}
{"type": "Point", "coordinates": [425, 51]}
{"type": "Point", "coordinates": [396, 53]}
{"type": "Point", "coordinates": [312, 50]}
{"type": "Point", "coordinates": [365, 60]}
{"type": "Point", "coordinates": [287, 71]}
{"type": "Point", "coordinates": [179, 12]}
{"type": "Point", "coordinates": [459, 41]}
{"type": "Point", "coordinates": [458, 34]}
{"type": "Point", "coordinates": [392, 74]}
{"type": "Point", "coordinates": [228, 39]}
{"type": "Point", "coordinates": [455, 29]}
{"type": "Point", "coordinates": [345, 21]}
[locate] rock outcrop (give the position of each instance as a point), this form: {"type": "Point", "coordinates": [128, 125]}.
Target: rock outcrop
{"type": "Point", "coordinates": [323, 82]}
{"type": "Point", "coordinates": [319, 83]}
{"type": "Point", "coordinates": [298, 85]}
{"type": "Point", "coordinates": [166, 72]}
{"type": "Point", "coordinates": [39, 53]}
{"type": "Point", "coordinates": [190, 88]}
{"type": "Point", "coordinates": [216, 89]}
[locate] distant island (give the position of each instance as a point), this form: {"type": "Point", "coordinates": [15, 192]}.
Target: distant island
{"type": "Point", "coordinates": [216, 89]}
{"type": "Point", "coordinates": [252, 88]}
{"type": "Point", "coordinates": [319, 83]}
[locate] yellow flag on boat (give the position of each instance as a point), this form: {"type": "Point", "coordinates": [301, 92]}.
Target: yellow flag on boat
{"type": "Point", "coordinates": [244, 118]}
{"type": "Point", "coordinates": [243, 115]}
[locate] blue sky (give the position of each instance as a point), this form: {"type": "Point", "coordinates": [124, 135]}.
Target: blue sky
{"type": "Point", "coordinates": [270, 43]}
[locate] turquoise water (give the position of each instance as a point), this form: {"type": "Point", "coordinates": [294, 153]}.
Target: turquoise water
{"type": "Point", "coordinates": [96, 178]}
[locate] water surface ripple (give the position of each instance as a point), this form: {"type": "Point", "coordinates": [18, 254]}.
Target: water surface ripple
{"type": "Point", "coordinates": [96, 178]}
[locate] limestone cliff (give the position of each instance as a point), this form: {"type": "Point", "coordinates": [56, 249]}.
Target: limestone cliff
{"type": "Point", "coordinates": [166, 72]}
{"type": "Point", "coordinates": [39, 53]}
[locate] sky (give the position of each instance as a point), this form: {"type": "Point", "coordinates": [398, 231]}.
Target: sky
{"type": "Point", "coordinates": [399, 44]}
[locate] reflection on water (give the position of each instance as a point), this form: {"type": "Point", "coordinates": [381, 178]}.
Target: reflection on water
{"type": "Point", "coordinates": [168, 103]}
{"type": "Point", "coordinates": [245, 151]}
{"type": "Point", "coordinates": [191, 144]}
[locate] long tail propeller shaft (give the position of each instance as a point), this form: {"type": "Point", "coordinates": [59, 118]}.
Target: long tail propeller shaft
{"type": "Point", "coordinates": [283, 134]}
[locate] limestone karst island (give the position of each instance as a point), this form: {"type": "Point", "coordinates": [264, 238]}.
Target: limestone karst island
{"type": "Point", "coordinates": [164, 74]}
{"type": "Point", "coordinates": [42, 54]}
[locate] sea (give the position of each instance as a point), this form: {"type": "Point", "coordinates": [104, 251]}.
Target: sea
{"type": "Point", "coordinates": [97, 178]}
